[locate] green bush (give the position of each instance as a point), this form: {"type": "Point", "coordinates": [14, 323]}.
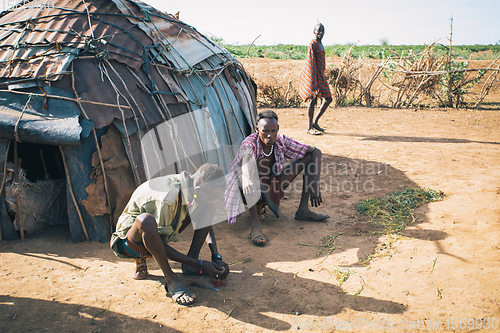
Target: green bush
{"type": "Point", "coordinates": [299, 52]}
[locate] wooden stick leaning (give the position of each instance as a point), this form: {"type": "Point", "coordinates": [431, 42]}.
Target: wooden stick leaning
{"type": "Point", "coordinates": [73, 195]}
{"type": "Point", "coordinates": [4, 178]}
{"type": "Point", "coordinates": [18, 194]}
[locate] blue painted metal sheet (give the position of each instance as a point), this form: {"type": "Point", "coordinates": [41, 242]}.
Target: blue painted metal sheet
{"type": "Point", "coordinates": [42, 120]}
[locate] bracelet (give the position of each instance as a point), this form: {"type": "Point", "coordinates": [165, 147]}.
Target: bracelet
{"type": "Point", "coordinates": [201, 267]}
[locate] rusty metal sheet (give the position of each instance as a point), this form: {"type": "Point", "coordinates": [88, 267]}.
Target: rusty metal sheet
{"type": "Point", "coordinates": [136, 101]}
{"type": "Point", "coordinates": [29, 31]}
{"type": "Point", "coordinates": [182, 45]}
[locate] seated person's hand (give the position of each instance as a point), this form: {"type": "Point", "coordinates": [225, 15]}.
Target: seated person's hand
{"type": "Point", "coordinates": [315, 197]}
{"type": "Point", "coordinates": [250, 190]}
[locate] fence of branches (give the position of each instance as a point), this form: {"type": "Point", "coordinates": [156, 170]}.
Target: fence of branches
{"type": "Point", "coordinates": [401, 81]}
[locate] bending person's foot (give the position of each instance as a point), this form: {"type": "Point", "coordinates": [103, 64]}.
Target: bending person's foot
{"type": "Point", "coordinates": [141, 269]}
{"type": "Point", "coordinates": [311, 216]}
{"type": "Point", "coordinates": [258, 238]}
{"type": "Point", "coordinates": [179, 292]}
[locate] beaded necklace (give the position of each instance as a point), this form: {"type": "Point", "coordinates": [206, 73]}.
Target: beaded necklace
{"type": "Point", "coordinates": [267, 155]}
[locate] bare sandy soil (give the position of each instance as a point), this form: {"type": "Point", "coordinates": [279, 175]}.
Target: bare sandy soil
{"type": "Point", "coordinates": [441, 274]}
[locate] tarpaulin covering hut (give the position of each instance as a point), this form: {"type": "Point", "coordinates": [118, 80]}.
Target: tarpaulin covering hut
{"type": "Point", "coordinates": [97, 96]}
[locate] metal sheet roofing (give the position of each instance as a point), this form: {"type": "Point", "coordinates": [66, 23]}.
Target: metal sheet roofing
{"type": "Point", "coordinates": [113, 28]}
{"type": "Point", "coordinates": [124, 63]}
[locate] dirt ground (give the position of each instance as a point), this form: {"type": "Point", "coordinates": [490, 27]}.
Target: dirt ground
{"type": "Point", "coordinates": [441, 274]}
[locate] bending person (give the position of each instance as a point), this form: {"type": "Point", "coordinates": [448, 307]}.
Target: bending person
{"type": "Point", "coordinates": [156, 214]}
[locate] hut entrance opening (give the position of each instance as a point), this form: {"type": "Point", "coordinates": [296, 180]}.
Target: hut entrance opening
{"type": "Point", "coordinates": [40, 184]}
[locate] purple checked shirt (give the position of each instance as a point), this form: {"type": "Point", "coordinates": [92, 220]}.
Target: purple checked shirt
{"type": "Point", "coordinates": [284, 147]}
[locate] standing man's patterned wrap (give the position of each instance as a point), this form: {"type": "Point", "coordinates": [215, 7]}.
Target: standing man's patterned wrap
{"type": "Point", "coordinates": [313, 80]}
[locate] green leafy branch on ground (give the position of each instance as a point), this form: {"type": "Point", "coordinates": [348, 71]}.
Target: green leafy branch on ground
{"type": "Point", "coordinates": [327, 247]}
{"type": "Point", "coordinates": [393, 212]}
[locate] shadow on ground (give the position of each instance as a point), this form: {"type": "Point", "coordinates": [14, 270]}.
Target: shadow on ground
{"type": "Point", "coordinates": [255, 293]}
{"type": "Point", "coordinates": [23, 315]}
{"type": "Point", "coordinates": [261, 295]}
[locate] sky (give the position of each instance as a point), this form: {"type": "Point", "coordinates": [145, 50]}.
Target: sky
{"type": "Point", "coordinates": [364, 22]}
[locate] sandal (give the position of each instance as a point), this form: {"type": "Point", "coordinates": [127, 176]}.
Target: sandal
{"type": "Point", "coordinates": [178, 293]}
{"type": "Point", "coordinates": [313, 131]}
{"type": "Point", "coordinates": [316, 126]}
{"type": "Point", "coordinates": [258, 240]}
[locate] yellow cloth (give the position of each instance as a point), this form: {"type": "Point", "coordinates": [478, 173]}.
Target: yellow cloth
{"type": "Point", "coordinates": [162, 197]}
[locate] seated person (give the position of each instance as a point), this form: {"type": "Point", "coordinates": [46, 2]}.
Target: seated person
{"type": "Point", "coordinates": [258, 168]}
{"type": "Point", "coordinates": [156, 214]}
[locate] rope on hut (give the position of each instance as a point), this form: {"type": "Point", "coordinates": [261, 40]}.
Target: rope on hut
{"type": "Point", "coordinates": [20, 116]}
{"type": "Point", "coordinates": [170, 115]}
{"type": "Point", "coordinates": [232, 107]}
{"type": "Point", "coordinates": [104, 71]}
{"type": "Point", "coordinates": [63, 98]}
{"type": "Point", "coordinates": [145, 88]}
{"type": "Point", "coordinates": [211, 83]}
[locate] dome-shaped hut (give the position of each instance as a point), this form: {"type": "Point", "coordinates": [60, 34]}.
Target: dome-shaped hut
{"type": "Point", "coordinates": [97, 96]}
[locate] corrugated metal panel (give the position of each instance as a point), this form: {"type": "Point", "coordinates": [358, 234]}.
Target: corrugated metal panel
{"type": "Point", "coordinates": [184, 46]}
{"type": "Point", "coordinates": [37, 28]}
{"type": "Point", "coordinates": [40, 27]}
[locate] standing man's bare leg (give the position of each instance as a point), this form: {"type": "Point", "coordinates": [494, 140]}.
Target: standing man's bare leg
{"type": "Point", "coordinates": [312, 105]}
{"type": "Point", "coordinates": [322, 109]}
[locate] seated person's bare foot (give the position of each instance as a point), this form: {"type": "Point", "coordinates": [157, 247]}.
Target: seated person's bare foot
{"type": "Point", "coordinates": [179, 292]}
{"type": "Point", "coordinates": [309, 215]}
{"type": "Point", "coordinates": [257, 237]}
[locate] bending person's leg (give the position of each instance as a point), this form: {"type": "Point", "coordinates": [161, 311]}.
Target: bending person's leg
{"type": "Point", "coordinates": [199, 237]}
{"type": "Point", "coordinates": [145, 231]}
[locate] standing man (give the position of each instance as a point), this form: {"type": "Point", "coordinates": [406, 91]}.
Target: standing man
{"type": "Point", "coordinates": [259, 173]}
{"type": "Point", "coordinates": [313, 83]}
{"type": "Point", "coordinates": [157, 212]}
